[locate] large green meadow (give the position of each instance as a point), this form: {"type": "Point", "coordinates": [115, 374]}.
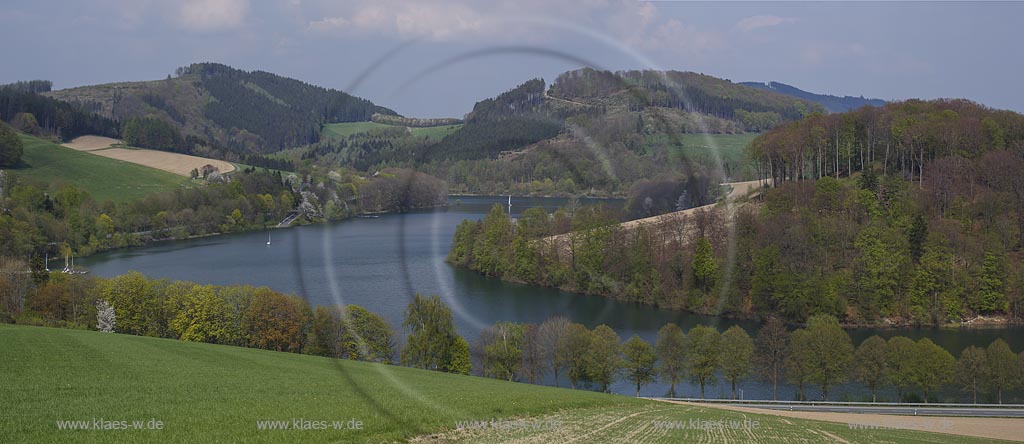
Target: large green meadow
{"type": "Point", "coordinates": [215, 393]}
{"type": "Point", "coordinates": [104, 178]}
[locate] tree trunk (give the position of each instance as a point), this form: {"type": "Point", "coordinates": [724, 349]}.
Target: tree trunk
{"type": "Point", "coordinates": [702, 391]}
{"type": "Point", "coordinates": [733, 389]}
{"type": "Point", "coordinates": [638, 389]}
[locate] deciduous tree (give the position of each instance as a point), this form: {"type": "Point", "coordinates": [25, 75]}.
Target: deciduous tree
{"type": "Point", "coordinates": [638, 362]}
{"type": "Point", "coordinates": [737, 350]}
{"type": "Point", "coordinates": [1003, 369]}
{"type": "Point", "coordinates": [603, 358]}
{"type": "Point", "coordinates": [670, 348]}
{"type": "Point", "coordinates": [703, 346]}
{"type": "Point", "coordinates": [970, 370]}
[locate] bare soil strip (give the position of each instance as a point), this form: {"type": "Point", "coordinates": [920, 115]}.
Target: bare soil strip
{"type": "Point", "coordinates": [739, 189]}
{"type": "Point", "coordinates": [180, 164]}
{"type": "Point", "coordinates": [91, 143]}
{"type": "Point", "coordinates": [1010, 429]}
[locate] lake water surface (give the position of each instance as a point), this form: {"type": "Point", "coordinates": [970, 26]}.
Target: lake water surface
{"type": "Point", "coordinates": [380, 263]}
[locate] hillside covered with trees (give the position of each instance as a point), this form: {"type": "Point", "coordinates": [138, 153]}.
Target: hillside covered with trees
{"type": "Point", "coordinates": [246, 111]}
{"type": "Point", "coordinates": [835, 104]}
{"type": "Point", "coordinates": [924, 225]}
{"type": "Point", "coordinates": [589, 132]}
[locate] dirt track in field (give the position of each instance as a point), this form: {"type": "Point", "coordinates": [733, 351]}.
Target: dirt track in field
{"type": "Point", "coordinates": [180, 164]}
{"type": "Point", "coordinates": [1010, 429]}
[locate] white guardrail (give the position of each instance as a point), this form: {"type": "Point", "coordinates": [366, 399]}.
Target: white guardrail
{"type": "Point", "coordinates": [838, 403]}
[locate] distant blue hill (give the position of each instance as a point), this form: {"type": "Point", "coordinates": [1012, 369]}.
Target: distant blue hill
{"type": "Point", "coordinates": [834, 104]}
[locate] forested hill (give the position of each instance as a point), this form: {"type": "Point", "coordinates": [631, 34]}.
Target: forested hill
{"type": "Point", "coordinates": [835, 104]}
{"type": "Point", "coordinates": [673, 102]}
{"type": "Point", "coordinates": [243, 110]}
{"type": "Point", "coordinates": [687, 91]}
{"type": "Point", "coordinates": [912, 213]}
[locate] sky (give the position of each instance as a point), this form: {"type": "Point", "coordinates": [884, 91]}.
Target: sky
{"type": "Point", "coordinates": [436, 58]}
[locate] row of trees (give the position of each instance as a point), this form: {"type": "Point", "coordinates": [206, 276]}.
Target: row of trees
{"type": "Point", "coordinates": [234, 315]}
{"type": "Point", "coordinates": [820, 354]}
{"type": "Point", "coordinates": [63, 120]}
{"type": "Point", "coordinates": [684, 90]}
{"type": "Point", "coordinates": [901, 137]}
{"type": "Point", "coordinates": [238, 315]}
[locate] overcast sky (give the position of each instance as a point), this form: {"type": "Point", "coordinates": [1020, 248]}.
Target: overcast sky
{"type": "Point", "coordinates": [431, 58]}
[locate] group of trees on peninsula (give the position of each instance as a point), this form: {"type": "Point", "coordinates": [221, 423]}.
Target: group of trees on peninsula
{"type": "Point", "coordinates": [919, 220]}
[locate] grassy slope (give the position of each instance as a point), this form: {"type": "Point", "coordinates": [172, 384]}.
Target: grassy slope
{"type": "Point", "coordinates": [212, 393]}
{"type": "Point", "coordinates": [342, 130]}
{"type": "Point", "coordinates": [731, 149]}
{"type": "Point", "coordinates": [103, 178]}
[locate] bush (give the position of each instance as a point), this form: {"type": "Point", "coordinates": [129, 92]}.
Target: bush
{"type": "Point", "coordinates": [11, 148]}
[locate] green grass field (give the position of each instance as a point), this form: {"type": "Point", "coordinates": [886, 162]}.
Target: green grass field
{"type": "Point", "coordinates": [342, 130]}
{"type": "Point", "coordinates": [104, 178]}
{"type": "Point", "coordinates": [213, 393]}
{"type": "Point", "coordinates": [731, 149]}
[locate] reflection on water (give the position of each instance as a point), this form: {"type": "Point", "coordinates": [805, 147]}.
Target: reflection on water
{"type": "Point", "coordinates": [380, 263]}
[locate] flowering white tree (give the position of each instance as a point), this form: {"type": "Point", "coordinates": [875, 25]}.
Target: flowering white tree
{"type": "Point", "coordinates": [105, 319]}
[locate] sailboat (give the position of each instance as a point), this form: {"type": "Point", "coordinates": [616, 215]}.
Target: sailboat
{"type": "Point", "coordinates": [268, 238]}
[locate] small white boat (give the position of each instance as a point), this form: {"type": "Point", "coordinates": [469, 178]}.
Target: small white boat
{"type": "Point", "coordinates": [268, 238]}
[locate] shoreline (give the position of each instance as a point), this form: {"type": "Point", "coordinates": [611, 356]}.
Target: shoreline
{"type": "Point", "coordinates": [988, 323]}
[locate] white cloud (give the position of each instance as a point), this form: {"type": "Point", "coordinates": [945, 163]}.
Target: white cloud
{"type": "Point", "coordinates": [635, 24]}
{"type": "Point", "coordinates": [763, 21]}
{"type": "Point", "coordinates": [212, 15]}
{"type": "Point", "coordinates": [407, 20]}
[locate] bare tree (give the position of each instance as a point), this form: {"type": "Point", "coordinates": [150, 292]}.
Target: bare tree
{"type": "Point", "coordinates": [15, 280]}
{"type": "Point", "coordinates": [771, 347]}
{"type": "Point", "coordinates": [548, 335]}
{"type": "Point", "coordinates": [534, 364]}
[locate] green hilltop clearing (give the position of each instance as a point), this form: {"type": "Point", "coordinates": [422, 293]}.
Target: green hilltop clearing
{"type": "Point", "coordinates": [728, 150]}
{"type": "Point", "coordinates": [104, 178]}
{"type": "Point", "coordinates": [337, 131]}
{"type": "Point", "coordinates": [215, 393]}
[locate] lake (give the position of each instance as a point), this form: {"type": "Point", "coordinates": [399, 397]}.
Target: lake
{"type": "Point", "coordinates": [379, 263]}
